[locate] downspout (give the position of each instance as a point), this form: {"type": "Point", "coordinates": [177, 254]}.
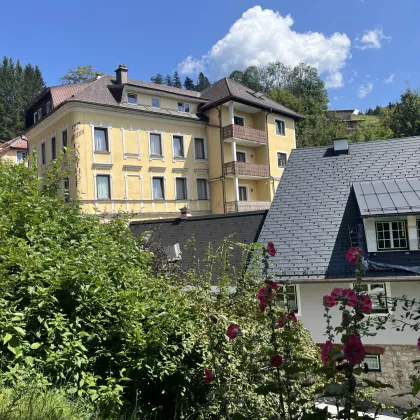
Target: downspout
{"type": "Point", "coordinates": [268, 151]}
{"type": "Point", "coordinates": [222, 153]}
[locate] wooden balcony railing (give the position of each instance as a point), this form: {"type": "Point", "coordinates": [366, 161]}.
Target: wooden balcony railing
{"type": "Point", "coordinates": [244, 133]}
{"type": "Point", "coordinates": [246, 169]}
{"type": "Point", "coordinates": [238, 206]}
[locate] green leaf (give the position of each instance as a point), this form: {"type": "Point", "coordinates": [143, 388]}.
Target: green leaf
{"type": "Point", "coordinates": [35, 346]}
{"type": "Point", "coordinates": [20, 330]}
{"type": "Point", "coordinates": [416, 387]}
{"type": "Point", "coordinates": [7, 337]}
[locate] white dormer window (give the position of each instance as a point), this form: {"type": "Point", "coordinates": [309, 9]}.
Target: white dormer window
{"type": "Point", "coordinates": [183, 107]}
{"type": "Point", "coordinates": [35, 117]}
{"type": "Point", "coordinates": [391, 235]}
{"type": "Point", "coordinates": [48, 107]}
{"type": "Point", "coordinates": [155, 102]}
{"type": "Point", "coordinates": [132, 98]}
{"type": "Point", "coordinates": [39, 113]}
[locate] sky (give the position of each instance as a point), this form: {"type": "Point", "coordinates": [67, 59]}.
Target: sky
{"type": "Point", "coordinates": [365, 50]}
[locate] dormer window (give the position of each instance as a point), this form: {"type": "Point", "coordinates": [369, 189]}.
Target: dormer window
{"type": "Point", "coordinates": [48, 107]}
{"type": "Point", "coordinates": [391, 235]}
{"type": "Point", "coordinates": [35, 117]}
{"type": "Point", "coordinates": [183, 107]}
{"type": "Point", "coordinates": [39, 114]}
{"type": "Point", "coordinates": [132, 98]}
{"type": "Point", "coordinates": [155, 102]}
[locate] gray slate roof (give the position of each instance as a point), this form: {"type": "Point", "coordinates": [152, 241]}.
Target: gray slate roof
{"type": "Point", "coordinates": [315, 204]}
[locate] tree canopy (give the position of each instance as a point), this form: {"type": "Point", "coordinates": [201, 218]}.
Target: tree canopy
{"type": "Point", "coordinates": [81, 74]}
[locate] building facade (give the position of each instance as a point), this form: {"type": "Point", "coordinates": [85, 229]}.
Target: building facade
{"type": "Point", "coordinates": [15, 150]}
{"type": "Point", "coordinates": [149, 150]}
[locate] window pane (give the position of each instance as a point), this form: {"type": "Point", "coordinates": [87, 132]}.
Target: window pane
{"type": "Point", "coordinates": [241, 156]}
{"type": "Point", "coordinates": [178, 146]}
{"type": "Point", "coordinates": [53, 149]}
{"type": "Point", "coordinates": [21, 156]}
{"type": "Point", "coordinates": [158, 188]}
{"type": "Point", "coordinates": [243, 194]}
{"type": "Point", "coordinates": [186, 107]}
{"type": "Point", "coordinates": [181, 189]}
{"type": "Point", "coordinates": [379, 298]}
{"type": "Point", "coordinates": [202, 189]}
{"type": "Point", "coordinates": [103, 187]}
{"type": "Point", "coordinates": [155, 102]}
{"type": "Point", "coordinates": [372, 362]}
{"type": "Point", "coordinates": [155, 145]}
{"type": "Point", "coordinates": [132, 98]}
{"type": "Point", "coordinates": [101, 140]}
{"type": "Point", "coordinates": [239, 121]}
{"type": "Point", "coordinates": [282, 159]}
{"type": "Point", "coordinates": [64, 138]}
{"type": "Point", "coordinates": [291, 298]}
{"type": "Point", "coordinates": [181, 106]}
{"type": "Point", "coordinates": [199, 148]}
{"type": "Point", "coordinates": [43, 155]}
{"type": "Point", "coordinates": [280, 129]}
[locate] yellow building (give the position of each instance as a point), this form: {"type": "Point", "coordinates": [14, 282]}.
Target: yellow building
{"type": "Point", "coordinates": [15, 150]}
{"type": "Point", "coordinates": [150, 149]}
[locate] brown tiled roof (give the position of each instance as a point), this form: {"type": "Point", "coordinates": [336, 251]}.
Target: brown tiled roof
{"type": "Point", "coordinates": [20, 142]}
{"type": "Point", "coordinates": [61, 93]}
{"type": "Point", "coordinates": [168, 89]}
{"type": "Point", "coordinates": [227, 89]}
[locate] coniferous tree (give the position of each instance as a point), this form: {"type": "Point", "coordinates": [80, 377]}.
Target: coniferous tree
{"type": "Point", "coordinates": [158, 79]}
{"type": "Point", "coordinates": [168, 80]}
{"type": "Point", "coordinates": [203, 82]}
{"type": "Point", "coordinates": [176, 80]}
{"type": "Point", "coordinates": [189, 84]}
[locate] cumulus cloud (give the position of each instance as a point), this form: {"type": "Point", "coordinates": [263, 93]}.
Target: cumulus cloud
{"type": "Point", "coordinates": [373, 39]}
{"type": "Point", "coordinates": [364, 90]}
{"type": "Point", "coordinates": [191, 65]}
{"type": "Point", "coordinates": [260, 37]}
{"type": "Point", "coordinates": [390, 78]}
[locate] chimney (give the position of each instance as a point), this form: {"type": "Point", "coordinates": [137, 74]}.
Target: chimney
{"type": "Point", "coordinates": [185, 213]}
{"type": "Point", "coordinates": [122, 74]}
{"type": "Point", "coordinates": [341, 146]}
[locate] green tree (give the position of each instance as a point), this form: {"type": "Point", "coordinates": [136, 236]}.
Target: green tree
{"type": "Point", "coordinates": [19, 86]}
{"type": "Point", "coordinates": [168, 80]}
{"type": "Point", "coordinates": [189, 84]}
{"type": "Point", "coordinates": [176, 80]}
{"type": "Point", "coordinates": [405, 119]}
{"type": "Point", "coordinates": [286, 98]}
{"type": "Point", "coordinates": [236, 75]}
{"type": "Point", "coordinates": [252, 79]}
{"type": "Point", "coordinates": [202, 82]}
{"type": "Point", "coordinates": [81, 74]}
{"type": "Point", "coordinates": [158, 79]}
{"type": "Point", "coordinates": [368, 130]}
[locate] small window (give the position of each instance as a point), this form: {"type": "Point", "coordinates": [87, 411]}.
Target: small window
{"type": "Point", "coordinates": [391, 235]}
{"type": "Point", "coordinates": [202, 189]}
{"type": "Point", "coordinates": [183, 107]}
{"type": "Point", "coordinates": [239, 120]}
{"type": "Point", "coordinates": [155, 102]}
{"type": "Point", "coordinates": [64, 138]}
{"type": "Point", "coordinates": [53, 149]}
{"type": "Point", "coordinates": [240, 156]}
{"type": "Point", "coordinates": [101, 140]}
{"type": "Point", "coordinates": [155, 144]}
{"type": "Point", "coordinates": [66, 190]}
{"type": "Point", "coordinates": [178, 145]}
{"type": "Point", "coordinates": [199, 148]}
{"type": "Point", "coordinates": [378, 295]}
{"type": "Point", "coordinates": [21, 156]}
{"type": "Point", "coordinates": [418, 231]}
{"type": "Point", "coordinates": [48, 107]}
{"type": "Point", "coordinates": [243, 194]}
{"type": "Point", "coordinates": [280, 128]}
{"type": "Point", "coordinates": [373, 362]}
{"type": "Point", "coordinates": [281, 159]}
{"type": "Point", "coordinates": [158, 189]}
{"type": "Point", "coordinates": [35, 117]}
{"type": "Point", "coordinates": [181, 188]}
{"type": "Point", "coordinates": [103, 187]}
{"type": "Point", "coordinates": [132, 98]}
{"type": "Point", "coordinates": [43, 154]}
{"type": "Point", "coordinates": [39, 114]}
{"type": "Point", "coordinates": [291, 297]}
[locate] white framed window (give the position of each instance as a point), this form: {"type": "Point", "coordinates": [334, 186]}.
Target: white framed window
{"type": "Point", "coordinates": [101, 139]}
{"type": "Point", "coordinates": [43, 154]}
{"type": "Point", "coordinates": [35, 117]}
{"type": "Point", "coordinates": [202, 193]}
{"type": "Point", "coordinates": [132, 98]}
{"type": "Point", "coordinates": [21, 156]}
{"type": "Point", "coordinates": [183, 107]}
{"type": "Point", "coordinates": [280, 127]}
{"type": "Point", "coordinates": [39, 114]}
{"type": "Point", "coordinates": [48, 107]}
{"type": "Point", "coordinates": [156, 149]}
{"type": "Point", "coordinates": [281, 159]}
{"type": "Point", "coordinates": [66, 189]}
{"type": "Point", "coordinates": [239, 120]}
{"type": "Point", "coordinates": [292, 297]}
{"type": "Point", "coordinates": [199, 148]}
{"type": "Point", "coordinates": [158, 188]}
{"type": "Point", "coordinates": [64, 138]}
{"type": "Point", "coordinates": [379, 294]}
{"type": "Point", "coordinates": [178, 146]}
{"type": "Point", "coordinates": [53, 148]}
{"type": "Point", "coordinates": [240, 156]}
{"type": "Point", "coordinates": [373, 362]}
{"type": "Point", "coordinates": [181, 188]}
{"type": "Point", "coordinates": [391, 235]}
{"type": "Point", "coordinates": [103, 187]}
{"type": "Point", "coordinates": [155, 102]}
{"type": "Point", "coordinates": [243, 192]}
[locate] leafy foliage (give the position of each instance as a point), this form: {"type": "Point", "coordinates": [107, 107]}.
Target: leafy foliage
{"type": "Point", "coordinates": [81, 74]}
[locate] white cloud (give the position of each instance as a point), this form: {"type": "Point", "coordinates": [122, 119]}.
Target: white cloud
{"type": "Point", "coordinates": [191, 65]}
{"type": "Point", "coordinates": [364, 90]}
{"type": "Point", "coordinates": [373, 39]}
{"type": "Point", "coordinates": [390, 78]}
{"type": "Point", "coordinates": [260, 37]}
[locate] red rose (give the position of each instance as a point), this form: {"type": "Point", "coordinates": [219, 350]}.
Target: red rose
{"type": "Point", "coordinates": [329, 301]}
{"type": "Point", "coordinates": [292, 316]}
{"type": "Point", "coordinates": [276, 361]}
{"type": "Point", "coordinates": [233, 331]}
{"type": "Point", "coordinates": [271, 249]}
{"type": "Point", "coordinates": [272, 284]}
{"type": "Point", "coordinates": [353, 254]}
{"type": "Point", "coordinates": [350, 296]}
{"type": "Point", "coordinates": [208, 375]}
{"type": "Point", "coordinates": [282, 321]}
{"type": "Point", "coordinates": [337, 291]}
{"type": "Point", "coordinates": [365, 303]}
{"type": "Point", "coordinates": [325, 353]}
{"type": "Point", "coordinates": [418, 344]}
{"type": "Point", "coordinates": [354, 350]}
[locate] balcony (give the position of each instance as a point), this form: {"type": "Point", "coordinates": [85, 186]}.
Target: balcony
{"type": "Point", "coordinates": [245, 134]}
{"type": "Point", "coordinates": [246, 170]}
{"type": "Point", "coordinates": [239, 206]}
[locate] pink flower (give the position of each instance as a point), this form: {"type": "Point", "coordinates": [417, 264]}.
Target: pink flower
{"type": "Point", "coordinates": [351, 297]}
{"type": "Point", "coordinates": [262, 306]}
{"type": "Point", "coordinates": [354, 350]}
{"type": "Point", "coordinates": [365, 303]}
{"type": "Point", "coordinates": [265, 293]}
{"type": "Point", "coordinates": [272, 284]}
{"type": "Point", "coordinates": [418, 344]}
{"type": "Point", "coordinates": [271, 249]}
{"type": "Point", "coordinates": [329, 301]}
{"type": "Point", "coordinates": [208, 375]}
{"type": "Point", "coordinates": [276, 361]}
{"type": "Point", "coordinates": [337, 291]}
{"type": "Point", "coordinates": [325, 353]}
{"type": "Point", "coordinates": [282, 321]}
{"type": "Point", "coordinates": [292, 316]}
{"type": "Point", "coordinates": [353, 254]}
{"type": "Point", "coordinates": [233, 331]}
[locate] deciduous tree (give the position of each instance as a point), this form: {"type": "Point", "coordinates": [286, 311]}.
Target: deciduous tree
{"type": "Point", "coordinates": [81, 74]}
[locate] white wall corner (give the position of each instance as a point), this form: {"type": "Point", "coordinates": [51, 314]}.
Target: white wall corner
{"type": "Point", "coordinates": [370, 234]}
{"type": "Point", "coordinates": [412, 233]}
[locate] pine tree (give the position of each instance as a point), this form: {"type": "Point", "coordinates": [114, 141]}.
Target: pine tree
{"type": "Point", "coordinates": [168, 80]}
{"type": "Point", "coordinates": [189, 84]}
{"type": "Point", "coordinates": [158, 79]}
{"type": "Point", "coordinates": [176, 80]}
{"type": "Point", "coordinates": [203, 82]}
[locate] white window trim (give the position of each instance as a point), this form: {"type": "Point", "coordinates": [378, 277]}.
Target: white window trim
{"type": "Point", "coordinates": [132, 94]}
{"type": "Point", "coordinates": [151, 102]}
{"type": "Point", "coordinates": [390, 220]}
{"type": "Point", "coordinates": [205, 149]}
{"type": "Point", "coordinates": [297, 292]}
{"type": "Point", "coordinates": [156, 157]}
{"type": "Point", "coordinates": [243, 151]}
{"type": "Point", "coordinates": [164, 188]}
{"type": "Point", "coordinates": [275, 127]}
{"type": "Point", "coordinates": [48, 107]}
{"type": "Point", "coordinates": [187, 190]}
{"type": "Point", "coordinates": [39, 114]}
{"type": "Point", "coordinates": [62, 130]}
{"type": "Point", "coordinates": [183, 106]}
{"type": "Point", "coordinates": [378, 357]}
{"type": "Point", "coordinates": [175, 158]}
{"type": "Point", "coordinates": [131, 155]}
{"type": "Point", "coordinates": [108, 127]}
{"type": "Point", "coordinates": [247, 191]}
{"type": "Point", "coordinates": [21, 160]}
{"type": "Point", "coordinates": [111, 192]}
{"type": "Point", "coordinates": [239, 116]}
{"type": "Point", "coordinates": [207, 187]}
{"type": "Point", "coordinates": [388, 294]}
{"type": "Point", "coordinates": [277, 157]}
{"type": "Point", "coordinates": [35, 117]}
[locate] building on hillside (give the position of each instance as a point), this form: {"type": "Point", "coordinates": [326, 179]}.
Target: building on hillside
{"type": "Point", "coordinates": [15, 149]}
{"type": "Point", "coordinates": [349, 117]}
{"type": "Point", "coordinates": [150, 149]}
{"type": "Point", "coordinates": [332, 198]}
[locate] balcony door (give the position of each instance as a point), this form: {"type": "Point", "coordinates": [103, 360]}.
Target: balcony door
{"type": "Point", "coordinates": [243, 193]}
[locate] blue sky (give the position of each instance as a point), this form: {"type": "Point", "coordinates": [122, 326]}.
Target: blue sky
{"type": "Point", "coordinates": [368, 49]}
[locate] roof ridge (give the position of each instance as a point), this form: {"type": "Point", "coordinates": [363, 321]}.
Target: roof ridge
{"type": "Point", "coordinates": [227, 80]}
